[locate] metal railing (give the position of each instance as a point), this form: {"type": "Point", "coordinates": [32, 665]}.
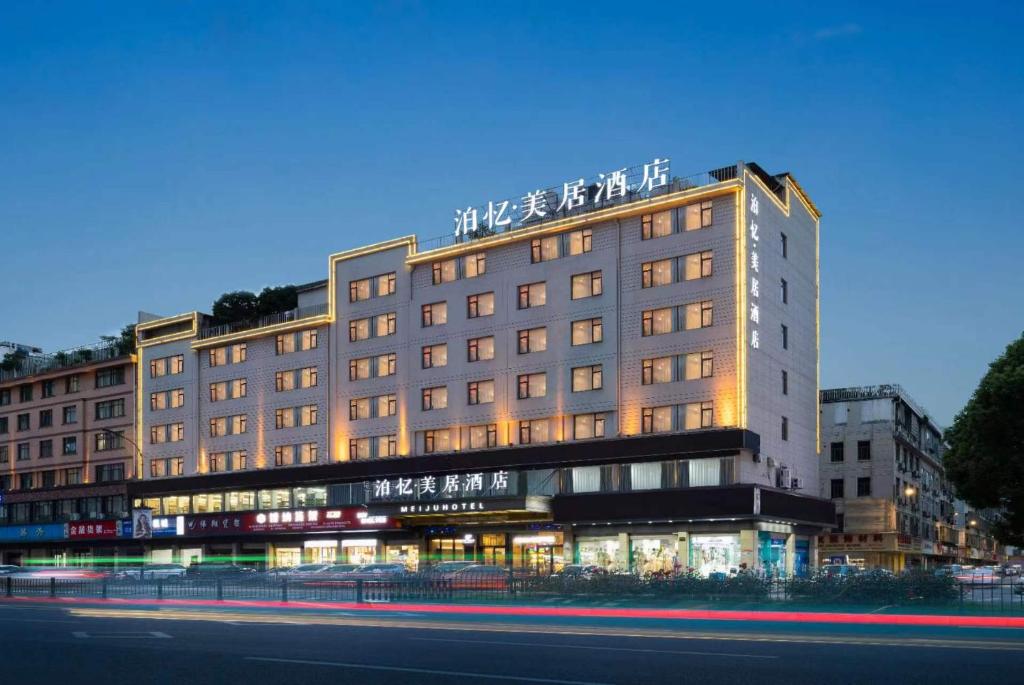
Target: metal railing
{"type": "Point", "coordinates": [35, 364]}
{"type": "Point", "coordinates": [297, 314]}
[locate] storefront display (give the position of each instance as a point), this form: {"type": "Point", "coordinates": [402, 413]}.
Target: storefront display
{"type": "Point", "coordinates": [359, 551]}
{"type": "Point", "coordinates": [653, 555]}
{"type": "Point", "coordinates": [405, 554]}
{"type": "Point", "coordinates": [714, 554]}
{"type": "Point", "coordinates": [320, 551]}
{"type": "Point", "coordinates": [287, 556]}
{"type": "Point", "coordinates": [602, 552]}
{"type": "Point", "coordinates": [772, 554]}
{"type": "Point", "coordinates": [539, 553]}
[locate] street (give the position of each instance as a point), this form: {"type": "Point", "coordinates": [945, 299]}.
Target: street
{"type": "Point", "coordinates": [96, 643]}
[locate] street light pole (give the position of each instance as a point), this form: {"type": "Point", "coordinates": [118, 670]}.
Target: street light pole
{"type": "Point", "coordinates": [139, 461]}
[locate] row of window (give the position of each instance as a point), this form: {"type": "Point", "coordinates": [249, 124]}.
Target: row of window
{"type": "Point", "coordinates": [69, 447]}
{"type": "Point", "coordinates": [108, 409]}
{"type": "Point", "coordinates": [104, 378]}
{"type": "Point", "coordinates": [288, 417]}
{"type": "Point", "coordinates": [691, 218]}
{"type": "Point", "coordinates": [837, 451]}
{"type": "Point", "coordinates": [375, 286]}
{"type": "Point", "coordinates": [285, 343]}
{"type": "Point", "coordinates": [838, 487]}
{"type": "Point", "coordinates": [104, 473]}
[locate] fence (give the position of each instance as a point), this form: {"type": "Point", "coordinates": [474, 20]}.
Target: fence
{"type": "Point", "coordinates": [922, 591]}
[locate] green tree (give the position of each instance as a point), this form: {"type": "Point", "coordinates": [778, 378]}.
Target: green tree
{"type": "Point", "coordinates": [985, 460]}
{"type": "Point", "coordinates": [12, 361]}
{"type": "Point", "coordinates": [273, 300]}
{"type": "Point", "coordinates": [235, 306]}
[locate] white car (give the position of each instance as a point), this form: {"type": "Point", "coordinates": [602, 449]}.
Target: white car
{"type": "Point", "coordinates": [153, 572]}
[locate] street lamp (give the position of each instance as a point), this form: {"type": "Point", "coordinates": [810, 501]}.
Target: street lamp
{"type": "Point", "coordinates": [974, 523]}
{"type": "Point", "coordinates": [139, 462]}
{"type": "Point", "coordinates": [909, 491]}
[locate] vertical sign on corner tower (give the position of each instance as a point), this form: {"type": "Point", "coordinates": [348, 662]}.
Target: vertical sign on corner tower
{"type": "Point", "coordinates": [755, 274]}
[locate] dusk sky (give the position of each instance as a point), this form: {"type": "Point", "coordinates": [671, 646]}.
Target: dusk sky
{"type": "Point", "coordinates": [155, 155]}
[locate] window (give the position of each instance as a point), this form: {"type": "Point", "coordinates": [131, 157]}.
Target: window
{"type": "Point", "coordinates": [785, 382]}
{"type": "Point", "coordinates": [46, 416]}
{"type": "Point", "coordinates": [586, 378]}
{"type": "Point", "coordinates": [784, 291]}
{"type": "Point", "coordinates": [475, 265]}
{"type": "Point", "coordinates": [73, 476]}
{"type": "Point", "coordinates": [115, 376]}
{"type": "Point", "coordinates": [24, 422]}
{"type": "Point", "coordinates": [385, 284]}
{"type": "Point", "coordinates": [837, 488]}
{"type": "Point", "coordinates": [70, 414]}
{"type": "Point", "coordinates": [480, 392]}
{"type": "Point", "coordinates": [435, 355]}
{"type": "Point", "coordinates": [227, 425]}
{"type": "Point", "coordinates": [376, 286]}
{"type": "Point", "coordinates": [296, 378]}
{"type": "Point", "coordinates": [837, 452]}
{"type": "Point", "coordinates": [699, 365]}
{"type": "Point", "coordinates": [785, 337]}
{"type": "Point", "coordinates": [534, 432]}
{"type": "Point", "coordinates": [372, 407]}
{"type": "Point", "coordinates": [286, 343]}
{"type": "Point", "coordinates": [229, 354]}
{"type": "Point", "coordinates": [371, 367]}
{"type": "Point", "coordinates": [168, 399]}
{"type": "Point", "coordinates": [434, 314]}
{"type": "Point", "coordinates": [587, 426]}
{"type": "Point", "coordinates": [533, 340]}
{"type": "Point", "coordinates": [292, 417]}
{"type": "Point", "coordinates": [697, 265]}
{"type": "Point", "coordinates": [533, 295]}
{"type": "Point", "coordinates": [864, 487]}
{"type": "Point", "coordinates": [49, 481]}
{"type": "Point", "coordinates": [699, 415]}
{"type": "Point", "coordinates": [472, 266]}
{"type": "Point", "coordinates": [784, 245]}
{"type": "Point", "coordinates": [483, 436]}
{"type": "Point", "coordinates": [656, 420]}
{"type": "Point", "coordinates": [654, 274]}
{"type": "Point", "coordinates": [444, 272]}
{"type": "Point", "coordinates": [657, 370]}
{"type": "Point", "coordinates": [587, 331]}
{"type": "Point", "coordinates": [784, 428]}
{"type": "Point", "coordinates": [384, 324]}
{"type": "Point", "coordinates": [863, 450]}
{"type": "Point", "coordinates": [106, 473]}
{"type": "Point", "coordinates": [72, 383]}
{"type": "Point", "coordinates": [5, 397]}
{"type": "Point", "coordinates": [164, 366]}
{"type": "Point", "coordinates": [228, 390]}
{"type": "Point", "coordinates": [111, 409]}
{"type": "Point", "coordinates": [25, 481]}
{"type": "Point", "coordinates": [581, 241]}
{"type": "Point", "coordinates": [109, 440]}
{"type": "Point", "coordinates": [46, 387]}
{"type": "Point", "coordinates": [45, 449]}
{"type": "Point", "coordinates": [25, 393]}
{"type": "Point", "coordinates": [359, 290]}
{"type": "Point", "coordinates": [532, 385]}
{"type": "Point", "coordinates": [480, 349]}
{"type": "Point", "coordinates": [5, 454]}
{"type": "Point", "coordinates": [434, 398]}
{"type": "Point", "coordinates": [699, 315]}
{"type": "Point", "coordinates": [437, 441]}
{"type": "Point", "coordinates": [24, 451]}
{"type": "Point", "coordinates": [656, 321]}
{"type": "Point", "coordinates": [545, 249]}
{"type": "Point", "coordinates": [586, 285]}
{"type": "Point", "coordinates": [555, 246]}
{"type": "Point", "coordinates": [69, 446]}
{"type": "Point", "coordinates": [655, 225]}
{"type": "Point", "coordinates": [287, 455]}
{"type": "Point", "coordinates": [698, 215]}
{"type": "Point", "coordinates": [3, 425]}
{"type": "Point", "coordinates": [171, 432]}
{"type": "Point", "coordinates": [481, 304]}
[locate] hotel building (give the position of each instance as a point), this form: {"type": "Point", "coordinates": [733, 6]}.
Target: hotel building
{"type": "Point", "coordinates": [626, 379]}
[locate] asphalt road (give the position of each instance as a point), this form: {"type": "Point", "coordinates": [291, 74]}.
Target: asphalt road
{"type": "Point", "coordinates": [106, 644]}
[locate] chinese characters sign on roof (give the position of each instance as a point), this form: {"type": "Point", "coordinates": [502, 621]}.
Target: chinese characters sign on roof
{"type": "Point", "coordinates": [448, 486]}
{"type": "Point", "coordinates": [573, 197]}
{"type": "Point", "coordinates": [755, 274]}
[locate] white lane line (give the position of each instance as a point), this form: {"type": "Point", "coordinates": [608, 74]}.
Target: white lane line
{"type": "Point", "coordinates": [148, 635]}
{"type": "Point", "coordinates": [595, 648]}
{"type": "Point", "coordinates": [430, 671]}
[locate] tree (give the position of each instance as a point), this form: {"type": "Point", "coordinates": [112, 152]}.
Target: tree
{"type": "Point", "coordinates": [985, 460]}
{"type": "Point", "coordinates": [240, 305]}
{"type": "Point", "coordinates": [273, 300]}
{"type": "Point", "coordinates": [124, 341]}
{"type": "Point", "coordinates": [12, 361]}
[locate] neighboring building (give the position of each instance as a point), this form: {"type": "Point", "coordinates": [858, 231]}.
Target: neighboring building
{"type": "Point", "coordinates": [882, 466]}
{"type": "Point", "coordinates": [631, 383]}
{"type": "Point", "coordinates": [65, 424]}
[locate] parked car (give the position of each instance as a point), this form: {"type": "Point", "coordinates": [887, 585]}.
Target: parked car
{"type": "Point", "coordinates": [215, 570]}
{"type": "Point", "coordinates": [480, 577]}
{"type": "Point", "coordinates": [378, 572]}
{"type": "Point", "coordinates": [60, 573]}
{"type": "Point", "coordinates": [338, 575]}
{"type": "Point", "coordinates": [152, 572]}
{"type": "Point", "coordinates": [982, 575]}
{"type": "Point", "coordinates": [581, 571]}
{"type": "Point", "coordinates": [839, 570]}
{"type": "Point", "coordinates": [7, 569]}
{"type": "Point", "coordinates": [445, 569]}
{"type": "Point", "coordinates": [302, 571]}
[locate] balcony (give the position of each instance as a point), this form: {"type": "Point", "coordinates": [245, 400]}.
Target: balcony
{"type": "Point", "coordinates": [36, 364]}
{"type": "Point", "coordinates": [297, 314]}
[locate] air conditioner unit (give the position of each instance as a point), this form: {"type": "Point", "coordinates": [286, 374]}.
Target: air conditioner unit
{"type": "Point", "coordinates": [771, 462]}
{"type": "Point", "coordinates": [797, 483]}
{"type": "Point", "coordinates": [75, 517]}
{"type": "Point", "coordinates": [785, 477]}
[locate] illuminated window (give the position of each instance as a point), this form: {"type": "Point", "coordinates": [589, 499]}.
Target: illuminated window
{"type": "Point", "coordinates": [698, 215]}
{"type": "Point", "coordinates": [359, 290]}
{"type": "Point", "coordinates": [586, 378]}
{"type": "Point", "coordinates": [385, 284]}
{"type": "Point", "coordinates": [435, 356]}
{"type": "Point", "coordinates": [698, 265]}
{"type": "Point", "coordinates": [292, 417]}
{"type": "Point", "coordinates": [699, 315]}
{"type": "Point", "coordinates": [586, 285]}
{"type": "Point", "coordinates": [533, 340]}
{"type": "Point", "coordinates": [434, 314]}
{"type": "Point", "coordinates": [587, 331]}
{"type": "Point", "coordinates": [535, 432]}
{"type": "Point", "coordinates": [170, 432]}
{"type": "Point", "coordinates": [360, 448]}
{"type": "Point", "coordinates": [480, 392]}
{"type": "Point", "coordinates": [657, 370]}
{"type": "Point", "coordinates": [655, 225]}
{"type": "Point", "coordinates": [475, 265]}
{"type": "Point", "coordinates": [227, 425]}
{"type": "Point", "coordinates": [545, 249]}
{"type": "Point", "coordinates": [581, 241]}
{"type": "Point", "coordinates": [164, 366]}
{"type": "Point", "coordinates": [287, 455]}
{"type": "Point", "coordinates": [437, 440]}
{"type": "Point", "coordinates": [587, 426]}
{"type": "Point", "coordinates": [286, 343]}
{"type": "Point", "coordinates": [229, 354]}
{"type": "Point", "coordinates": [656, 419]}
{"type": "Point", "coordinates": [699, 365]}
{"type": "Point", "coordinates": [478, 305]}
{"type": "Point", "coordinates": [654, 274]}
{"type": "Point", "coordinates": [385, 324]}
{"type": "Point", "coordinates": [386, 365]}
{"type": "Point", "coordinates": [434, 398]}
{"type": "Point", "coordinates": [444, 272]}
{"type": "Point", "coordinates": [699, 415]}
{"type": "Point", "coordinates": [533, 295]}
{"type": "Point", "coordinates": [480, 349]}
{"type": "Point", "coordinates": [484, 436]}
{"type": "Point", "coordinates": [531, 385]}
{"type": "Point", "coordinates": [656, 321]}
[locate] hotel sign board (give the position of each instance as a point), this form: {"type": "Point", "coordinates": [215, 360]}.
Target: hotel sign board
{"type": "Point", "coordinates": [574, 197]}
{"type": "Point", "coordinates": [540, 505]}
{"type": "Point", "coordinates": [445, 486]}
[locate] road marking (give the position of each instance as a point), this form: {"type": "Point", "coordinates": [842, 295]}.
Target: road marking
{"type": "Point", "coordinates": [595, 648]}
{"type": "Point", "coordinates": [430, 671]}
{"type": "Point", "coordinates": [147, 635]}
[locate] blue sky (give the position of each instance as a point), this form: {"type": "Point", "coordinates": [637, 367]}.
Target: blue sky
{"type": "Point", "coordinates": [156, 155]}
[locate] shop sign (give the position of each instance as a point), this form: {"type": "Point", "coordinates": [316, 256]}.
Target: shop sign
{"type": "Point", "coordinates": [168, 526]}
{"type": "Point", "coordinates": [577, 196]}
{"type": "Point", "coordinates": [447, 486]}
{"type": "Point", "coordinates": [755, 274]}
{"type": "Point", "coordinates": [463, 506]}
{"type": "Point", "coordinates": [285, 521]}
{"type": "Point", "coordinates": [30, 533]}
{"type": "Point", "coordinates": [91, 530]}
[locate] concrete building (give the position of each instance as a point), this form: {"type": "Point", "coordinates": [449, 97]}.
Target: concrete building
{"type": "Point", "coordinates": [66, 420]}
{"type": "Point", "coordinates": [631, 382]}
{"type": "Point", "coordinates": [882, 466]}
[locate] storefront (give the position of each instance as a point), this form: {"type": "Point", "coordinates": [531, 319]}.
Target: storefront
{"type": "Point", "coordinates": [772, 554]}
{"type": "Point", "coordinates": [715, 554]}
{"type": "Point", "coordinates": [653, 555]}
{"type": "Point", "coordinates": [603, 552]}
